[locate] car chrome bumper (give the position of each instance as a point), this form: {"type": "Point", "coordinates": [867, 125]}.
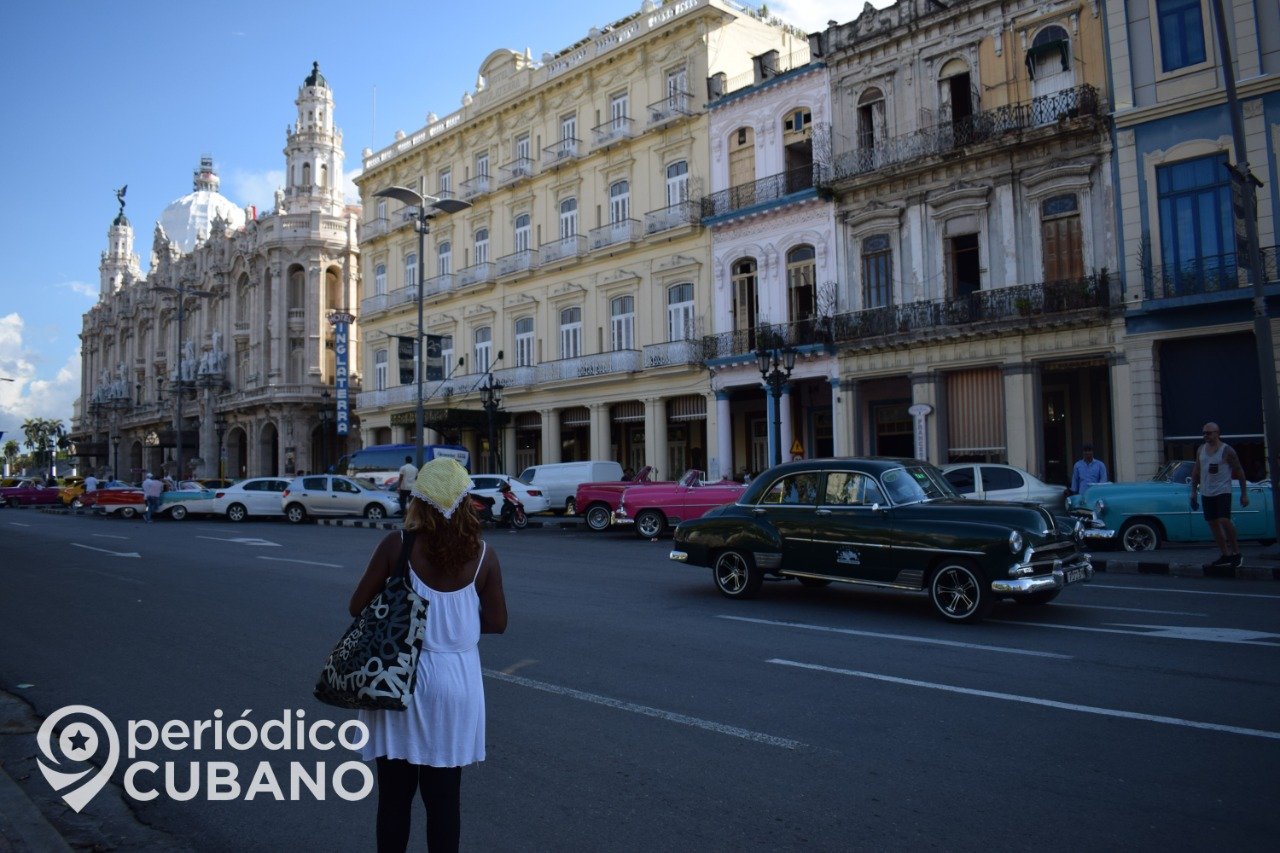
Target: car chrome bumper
{"type": "Point", "coordinates": [1101, 533]}
{"type": "Point", "coordinates": [621, 517]}
{"type": "Point", "coordinates": [1043, 583]}
{"type": "Point", "coordinates": [678, 556]}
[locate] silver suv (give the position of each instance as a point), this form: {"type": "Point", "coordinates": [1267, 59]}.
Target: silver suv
{"type": "Point", "coordinates": [325, 494]}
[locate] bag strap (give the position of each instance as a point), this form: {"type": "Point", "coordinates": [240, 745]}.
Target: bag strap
{"type": "Point", "coordinates": [402, 562]}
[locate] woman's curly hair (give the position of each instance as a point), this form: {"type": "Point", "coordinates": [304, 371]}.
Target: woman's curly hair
{"type": "Point", "coordinates": [451, 542]}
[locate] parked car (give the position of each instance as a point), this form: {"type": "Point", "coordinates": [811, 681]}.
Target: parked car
{"type": "Point", "coordinates": [28, 493]}
{"type": "Point", "coordinates": [652, 508]}
{"type": "Point", "coordinates": [117, 498]}
{"type": "Point", "coordinates": [559, 481]}
{"type": "Point", "coordinates": [596, 502]}
{"type": "Point", "coordinates": [215, 482]}
{"type": "Point", "coordinates": [327, 494]}
{"type": "Point", "coordinates": [190, 497]}
{"type": "Point", "coordinates": [1142, 516]}
{"type": "Point", "coordinates": [886, 524]}
{"type": "Point", "coordinates": [991, 482]}
{"type": "Point", "coordinates": [486, 486]}
{"type": "Point", "coordinates": [256, 497]}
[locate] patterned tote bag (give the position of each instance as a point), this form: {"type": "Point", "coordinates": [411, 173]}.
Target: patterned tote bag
{"type": "Point", "coordinates": [375, 664]}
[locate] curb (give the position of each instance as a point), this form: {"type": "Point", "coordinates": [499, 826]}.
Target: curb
{"type": "Point", "coordinates": [395, 525]}
{"type": "Point", "coordinates": [1187, 570]}
{"type": "Point", "coordinates": [22, 824]}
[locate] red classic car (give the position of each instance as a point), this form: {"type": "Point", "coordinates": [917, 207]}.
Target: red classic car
{"type": "Point", "coordinates": [596, 502]}
{"type": "Point", "coordinates": [28, 493]}
{"type": "Point", "coordinates": [652, 508]}
{"type": "Point", "coordinates": [121, 498]}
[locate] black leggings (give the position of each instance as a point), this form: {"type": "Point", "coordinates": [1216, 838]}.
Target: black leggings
{"type": "Point", "coordinates": [440, 787]}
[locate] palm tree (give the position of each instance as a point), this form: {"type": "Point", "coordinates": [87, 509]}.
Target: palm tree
{"type": "Point", "coordinates": [11, 451]}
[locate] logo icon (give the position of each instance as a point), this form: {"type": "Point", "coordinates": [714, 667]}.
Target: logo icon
{"type": "Point", "coordinates": [70, 770]}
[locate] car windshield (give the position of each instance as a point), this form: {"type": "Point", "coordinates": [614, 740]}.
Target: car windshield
{"type": "Point", "coordinates": [1174, 472]}
{"type": "Point", "coordinates": [915, 483]}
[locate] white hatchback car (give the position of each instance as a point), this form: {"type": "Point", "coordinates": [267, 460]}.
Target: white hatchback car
{"type": "Point", "coordinates": [326, 494]}
{"type": "Point", "coordinates": [989, 482]}
{"type": "Point", "coordinates": [486, 485]}
{"type": "Point", "coordinates": [259, 496]}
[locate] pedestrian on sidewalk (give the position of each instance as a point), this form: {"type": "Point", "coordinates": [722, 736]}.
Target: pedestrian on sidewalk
{"type": "Point", "coordinates": [90, 482]}
{"type": "Point", "coordinates": [151, 489]}
{"type": "Point", "coordinates": [1087, 470]}
{"type": "Point", "coordinates": [1216, 466]}
{"type": "Point", "coordinates": [422, 749]}
{"type": "Point", "coordinates": [408, 473]}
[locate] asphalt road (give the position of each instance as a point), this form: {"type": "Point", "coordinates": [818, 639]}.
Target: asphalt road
{"type": "Point", "coordinates": [632, 708]}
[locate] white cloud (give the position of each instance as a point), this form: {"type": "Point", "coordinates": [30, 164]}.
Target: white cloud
{"type": "Point", "coordinates": [813, 15]}
{"type": "Point", "coordinates": [256, 188]}
{"type": "Point", "coordinates": [83, 288]}
{"type": "Point", "coordinates": [31, 394]}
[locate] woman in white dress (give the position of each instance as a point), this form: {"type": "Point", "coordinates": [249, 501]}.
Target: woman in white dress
{"type": "Point", "coordinates": [423, 749]}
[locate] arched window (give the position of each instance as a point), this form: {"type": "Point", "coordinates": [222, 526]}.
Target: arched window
{"type": "Point", "coordinates": [484, 348]}
{"type": "Point", "coordinates": [411, 270]}
{"type": "Point", "coordinates": [444, 258]}
{"type": "Point", "coordinates": [870, 118]}
{"type": "Point", "coordinates": [380, 370]}
{"type": "Point", "coordinates": [677, 183]}
{"type": "Point", "coordinates": [571, 332]}
{"type": "Point", "coordinates": [242, 299]}
{"type": "Point", "coordinates": [802, 292]}
{"type": "Point", "coordinates": [680, 311]}
{"type": "Point", "coordinates": [742, 157]}
{"type": "Point", "coordinates": [877, 271]}
{"type": "Point", "coordinates": [324, 175]}
{"type": "Point", "coordinates": [1049, 63]}
{"type": "Point", "coordinates": [955, 95]}
{"type": "Point", "coordinates": [622, 323]}
{"type": "Point", "coordinates": [568, 218]}
{"type": "Point", "coordinates": [482, 245]}
{"type": "Point", "coordinates": [524, 342]}
{"type": "Point", "coordinates": [522, 232]}
{"type": "Point", "coordinates": [619, 202]}
{"type": "Point", "coordinates": [297, 288]}
{"type": "Point", "coordinates": [306, 174]}
{"type": "Point", "coordinates": [380, 279]}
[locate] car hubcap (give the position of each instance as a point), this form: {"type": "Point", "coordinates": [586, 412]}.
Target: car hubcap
{"type": "Point", "coordinates": [731, 573]}
{"type": "Point", "coordinates": [598, 518]}
{"type": "Point", "coordinates": [649, 525]}
{"type": "Point", "coordinates": [956, 592]}
{"type": "Point", "coordinates": [236, 514]}
{"type": "Point", "coordinates": [1139, 538]}
{"type": "Point", "coordinates": [375, 512]}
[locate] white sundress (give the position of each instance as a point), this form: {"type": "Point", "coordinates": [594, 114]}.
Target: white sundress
{"type": "Point", "coordinates": [444, 723]}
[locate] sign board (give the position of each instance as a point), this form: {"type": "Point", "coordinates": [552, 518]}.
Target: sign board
{"type": "Point", "coordinates": [918, 413]}
{"type": "Point", "coordinates": [341, 377]}
{"type": "Point", "coordinates": [404, 356]}
{"type": "Point", "coordinates": [797, 449]}
{"type": "Point", "coordinates": [435, 358]}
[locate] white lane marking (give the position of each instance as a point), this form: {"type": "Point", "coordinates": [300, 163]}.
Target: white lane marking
{"type": "Point", "coordinates": [905, 637]}
{"type": "Point", "coordinates": [1231, 636]}
{"type": "Point", "coordinates": [19, 524]}
{"type": "Point", "coordinates": [304, 562]}
{"type": "Point", "coordinates": [114, 577]}
{"type": "Point", "coordinates": [108, 536]}
{"type": "Point", "coordinates": [105, 551]}
{"type": "Point", "coordinates": [1179, 591]}
{"type": "Point", "coordinates": [243, 540]}
{"type": "Point", "coordinates": [1031, 700]}
{"type": "Point", "coordinates": [669, 716]}
{"type": "Point", "coordinates": [1058, 604]}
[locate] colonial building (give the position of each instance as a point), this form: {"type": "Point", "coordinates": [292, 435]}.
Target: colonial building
{"type": "Point", "coordinates": [243, 370]}
{"type": "Point", "coordinates": [973, 188]}
{"type": "Point", "coordinates": [776, 261]}
{"type": "Point", "coordinates": [580, 279]}
{"type": "Point", "coordinates": [1190, 342]}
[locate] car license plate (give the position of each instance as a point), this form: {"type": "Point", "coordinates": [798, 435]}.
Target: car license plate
{"type": "Point", "coordinates": [1075, 575]}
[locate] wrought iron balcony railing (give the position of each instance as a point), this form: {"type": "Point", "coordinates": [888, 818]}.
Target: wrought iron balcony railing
{"type": "Point", "coordinates": [772, 188]}
{"type": "Point", "coordinates": [1081, 101]}
{"type": "Point", "coordinates": [674, 105]}
{"type": "Point", "coordinates": [477, 186]}
{"type": "Point", "coordinates": [369, 305]}
{"type": "Point", "coordinates": [569, 247]}
{"type": "Point", "coordinates": [402, 295]}
{"type": "Point", "coordinates": [374, 228]}
{"type": "Point", "coordinates": [1212, 274]}
{"type": "Point", "coordinates": [517, 262]}
{"type": "Point", "coordinates": [623, 231]}
{"type": "Point", "coordinates": [672, 353]}
{"type": "Point", "coordinates": [565, 149]}
{"type": "Point", "coordinates": [600, 364]}
{"type": "Point", "coordinates": [613, 130]}
{"type": "Point", "coordinates": [683, 213]}
{"type": "Point", "coordinates": [524, 376]}
{"type": "Point", "coordinates": [475, 274]}
{"type": "Point", "coordinates": [438, 284]}
{"type": "Point", "coordinates": [517, 170]}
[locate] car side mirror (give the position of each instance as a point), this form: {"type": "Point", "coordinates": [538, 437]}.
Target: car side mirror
{"type": "Point", "coordinates": [876, 507]}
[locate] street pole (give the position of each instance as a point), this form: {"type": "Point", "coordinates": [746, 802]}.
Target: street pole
{"type": "Point", "coordinates": [1247, 186]}
{"type": "Point", "coordinates": [418, 426]}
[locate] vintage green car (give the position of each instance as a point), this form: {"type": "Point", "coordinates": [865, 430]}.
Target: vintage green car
{"type": "Point", "coordinates": [892, 524]}
{"type": "Point", "coordinates": [1141, 516]}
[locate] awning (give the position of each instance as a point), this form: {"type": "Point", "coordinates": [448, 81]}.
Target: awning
{"type": "Point", "coordinates": [692, 407]}
{"type": "Point", "coordinates": [631, 411]}
{"type": "Point", "coordinates": [975, 412]}
{"type": "Point", "coordinates": [578, 416]}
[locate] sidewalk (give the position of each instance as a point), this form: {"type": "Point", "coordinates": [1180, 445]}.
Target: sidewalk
{"type": "Point", "coordinates": [1260, 563]}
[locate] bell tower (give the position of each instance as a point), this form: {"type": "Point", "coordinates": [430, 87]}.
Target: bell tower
{"type": "Point", "coordinates": [313, 151]}
{"type": "Point", "coordinates": [119, 265]}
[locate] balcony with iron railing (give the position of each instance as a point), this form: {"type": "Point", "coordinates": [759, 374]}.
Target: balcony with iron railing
{"type": "Point", "coordinates": [1215, 274]}
{"type": "Point", "coordinates": [402, 296]}
{"type": "Point", "coordinates": [672, 353]}
{"type": "Point", "coordinates": [615, 233]}
{"type": "Point", "coordinates": [773, 189]}
{"type": "Point", "coordinates": [524, 376]}
{"type": "Point", "coordinates": [375, 304]}
{"type": "Point", "coordinates": [566, 249]}
{"type": "Point", "coordinates": [407, 395]}
{"type": "Point", "coordinates": [1001, 123]}
{"type": "Point", "coordinates": [517, 170]}
{"type": "Point", "coordinates": [676, 216]}
{"type": "Point", "coordinates": [1023, 306]}
{"type": "Point", "coordinates": [562, 151]}
{"type": "Point", "coordinates": [600, 364]}
{"type": "Point", "coordinates": [517, 262]}
{"type": "Point", "coordinates": [437, 285]}
{"type": "Point", "coordinates": [477, 186]}
{"type": "Point", "coordinates": [613, 130]}
{"type": "Point", "coordinates": [475, 274]}
{"type": "Point", "coordinates": [675, 105]}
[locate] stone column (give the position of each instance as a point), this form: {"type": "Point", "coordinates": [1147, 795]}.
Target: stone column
{"type": "Point", "coordinates": [509, 447]}
{"type": "Point", "coordinates": [208, 446]}
{"type": "Point", "coordinates": [1021, 417]}
{"type": "Point", "coordinates": [784, 407]}
{"type": "Point", "coordinates": [844, 398]}
{"type": "Point", "coordinates": [1123, 448]}
{"type": "Point", "coordinates": [724, 436]}
{"type": "Point", "coordinates": [550, 435]}
{"type": "Point", "coordinates": [599, 442]}
{"type": "Point", "coordinates": [655, 436]}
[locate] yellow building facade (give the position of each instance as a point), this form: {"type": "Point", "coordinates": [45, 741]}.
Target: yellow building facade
{"type": "Point", "coordinates": [579, 279]}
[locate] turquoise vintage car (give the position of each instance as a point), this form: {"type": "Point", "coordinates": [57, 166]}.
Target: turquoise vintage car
{"type": "Point", "coordinates": [886, 524]}
{"type": "Point", "coordinates": [1140, 516]}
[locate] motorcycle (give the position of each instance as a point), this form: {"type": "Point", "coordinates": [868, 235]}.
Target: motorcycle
{"type": "Point", "coordinates": [511, 513]}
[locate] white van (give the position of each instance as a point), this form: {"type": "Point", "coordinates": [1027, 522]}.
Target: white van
{"type": "Point", "coordinates": [559, 481]}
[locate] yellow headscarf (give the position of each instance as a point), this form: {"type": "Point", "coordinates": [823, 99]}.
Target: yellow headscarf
{"type": "Point", "coordinates": [443, 483]}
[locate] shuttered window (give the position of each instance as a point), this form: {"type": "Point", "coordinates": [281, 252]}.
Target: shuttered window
{"type": "Point", "coordinates": [578, 416]}
{"type": "Point", "coordinates": [1060, 238]}
{"type": "Point", "coordinates": [692, 407]}
{"type": "Point", "coordinates": [975, 416]}
{"type": "Point", "coordinates": [632, 411]}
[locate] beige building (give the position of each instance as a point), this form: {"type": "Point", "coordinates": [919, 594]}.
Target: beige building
{"type": "Point", "coordinates": [247, 365]}
{"type": "Point", "coordinates": [580, 278]}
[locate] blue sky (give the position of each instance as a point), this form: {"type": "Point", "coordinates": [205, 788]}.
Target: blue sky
{"type": "Point", "coordinates": [103, 94]}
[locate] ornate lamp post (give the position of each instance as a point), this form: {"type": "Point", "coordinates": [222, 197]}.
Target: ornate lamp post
{"type": "Point", "coordinates": [491, 400]}
{"type": "Point", "coordinates": [409, 197]}
{"type": "Point", "coordinates": [115, 456]}
{"type": "Point", "coordinates": [775, 368]}
{"type": "Point", "coordinates": [220, 427]}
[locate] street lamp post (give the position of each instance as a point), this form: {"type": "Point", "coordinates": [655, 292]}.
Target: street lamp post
{"type": "Point", "coordinates": [324, 431]}
{"type": "Point", "coordinates": [220, 427]}
{"type": "Point", "coordinates": [412, 198]}
{"type": "Point", "coordinates": [115, 456]}
{"type": "Point", "coordinates": [775, 368]}
{"type": "Point", "coordinates": [491, 400]}
{"type": "Point", "coordinates": [181, 384]}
